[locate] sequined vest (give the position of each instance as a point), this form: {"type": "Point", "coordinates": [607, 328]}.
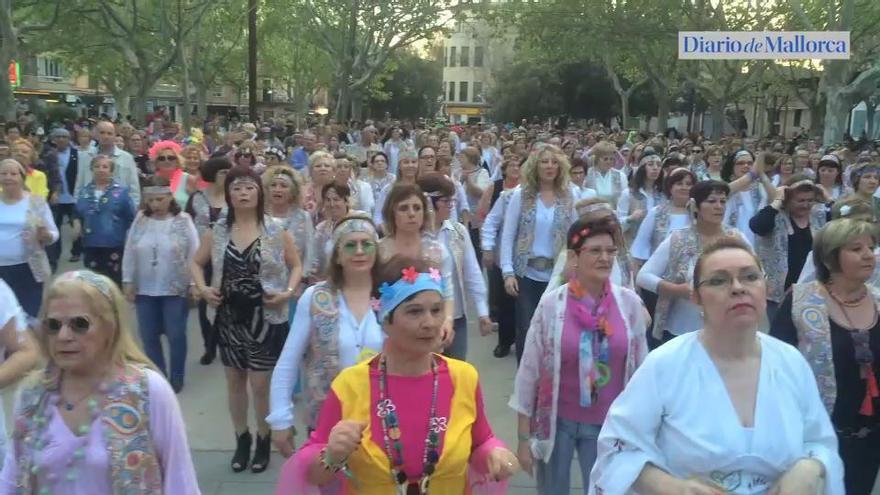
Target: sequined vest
{"type": "Point", "coordinates": [180, 248]}
{"type": "Point", "coordinates": [772, 249]}
{"type": "Point", "coordinates": [274, 274]}
{"type": "Point", "coordinates": [134, 467]}
{"type": "Point", "coordinates": [37, 259]}
{"type": "Point", "coordinates": [563, 217]}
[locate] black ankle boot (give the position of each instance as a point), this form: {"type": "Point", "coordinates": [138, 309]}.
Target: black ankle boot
{"type": "Point", "coordinates": [262, 453]}
{"type": "Point", "coordinates": [242, 451]}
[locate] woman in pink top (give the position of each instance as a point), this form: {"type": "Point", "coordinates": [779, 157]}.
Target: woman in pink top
{"type": "Point", "coordinates": [586, 339]}
{"type": "Point", "coordinates": [98, 419]}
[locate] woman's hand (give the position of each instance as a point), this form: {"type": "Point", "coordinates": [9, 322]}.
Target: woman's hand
{"type": "Point", "coordinates": [488, 260]}
{"type": "Point", "coordinates": [637, 215]}
{"type": "Point", "coordinates": [212, 296]}
{"type": "Point", "coordinates": [284, 441]}
{"type": "Point", "coordinates": [511, 286]}
{"type": "Point", "coordinates": [803, 478]}
{"type": "Point", "coordinates": [43, 234]}
{"type": "Point", "coordinates": [524, 456]}
{"type": "Point", "coordinates": [502, 464]}
{"type": "Point", "coordinates": [344, 439]}
{"type": "Point", "coordinates": [276, 299]}
{"type": "Point", "coordinates": [447, 333]}
{"type": "Point", "coordinates": [128, 290]}
{"type": "Point", "coordinates": [486, 325]}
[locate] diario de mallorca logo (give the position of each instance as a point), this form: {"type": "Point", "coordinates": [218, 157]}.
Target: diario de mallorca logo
{"type": "Point", "coordinates": [750, 45]}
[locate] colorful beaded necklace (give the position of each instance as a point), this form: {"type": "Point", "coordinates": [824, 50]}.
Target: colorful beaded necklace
{"type": "Point", "coordinates": [387, 411]}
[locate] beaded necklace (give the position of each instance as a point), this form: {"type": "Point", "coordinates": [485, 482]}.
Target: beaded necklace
{"type": "Point", "coordinates": [43, 418]}
{"type": "Point", "coordinates": [387, 411]}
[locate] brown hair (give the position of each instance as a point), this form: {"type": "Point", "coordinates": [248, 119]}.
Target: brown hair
{"type": "Point", "coordinates": [828, 242]}
{"type": "Point", "coordinates": [391, 271]}
{"type": "Point", "coordinates": [724, 242]}
{"type": "Point", "coordinates": [334, 269]}
{"type": "Point", "coordinates": [400, 192]}
{"type": "Point", "coordinates": [472, 155]}
{"type": "Point", "coordinates": [677, 175]}
{"type": "Point", "coordinates": [158, 181]}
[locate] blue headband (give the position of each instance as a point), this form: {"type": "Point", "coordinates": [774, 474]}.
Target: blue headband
{"type": "Point", "coordinates": [412, 282]}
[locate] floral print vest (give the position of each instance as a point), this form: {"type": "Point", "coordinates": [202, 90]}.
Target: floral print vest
{"type": "Point", "coordinates": [179, 249]}
{"type": "Point", "coordinates": [772, 250]}
{"type": "Point", "coordinates": [37, 259]}
{"type": "Point", "coordinates": [134, 467]}
{"type": "Point", "coordinates": [563, 217]}
{"type": "Point", "coordinates": [322, 357]}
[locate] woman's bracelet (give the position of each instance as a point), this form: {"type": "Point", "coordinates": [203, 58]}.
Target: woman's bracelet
{"type": "Point", "coordinates": [328, 463]}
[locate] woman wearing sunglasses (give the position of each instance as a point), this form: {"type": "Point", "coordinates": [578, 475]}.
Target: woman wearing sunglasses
{"type": "Point", "coordinates": [98, 419]}
{"type": "Point", "coordinates": [333, 328]}
{"type": "Point", "coordinates": [722, 410]}
{"type": "Point", "coordinates": [168, 163]}
{"type": "Point", "coordinates": [834, 322]}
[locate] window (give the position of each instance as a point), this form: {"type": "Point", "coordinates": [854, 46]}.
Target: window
{"type": "Point", "coordinates": [267, 90]}
{"type": "Point", "coordinates": [452, 56]}
{"type": "Point", "coordinates": [478, 91]}
{"type": "Point", "coordinates": [446, 56]}
{"type": "Point", "coordinates": [217, 92]}
{"type": "Point", "coordinates": [798, 115]}
{"type": "Point", "coordinates": [49, 69]}
{"type": "Point", "coordinates": [465, 56]}
{"type": "Point", "coordinates": [463, 91]}
{"type": "Point", "coordinates": [478, 56]}
{"type": "Point", "coordinates": [445, 85]}
{"type": "Point", "coordinates": [451, 91]}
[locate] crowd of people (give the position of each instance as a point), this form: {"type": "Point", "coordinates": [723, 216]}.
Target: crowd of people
{"type": "Point", "coordinates": [687, 316]}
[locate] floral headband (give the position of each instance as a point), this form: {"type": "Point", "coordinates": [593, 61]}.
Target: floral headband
{"type": "Point", "coordinates": [411, 282]}
{"type": "Point", "coordinates": [354, 224]}
{"type": "Point", "coordinates": [579, 237]}
{"type": "Point", "coordinates": [590, 208]}
{"type": "Point", "coordinates": [89, 278]}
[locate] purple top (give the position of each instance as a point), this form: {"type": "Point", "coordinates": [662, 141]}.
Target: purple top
{"type": "Point", "coordinates": [167, 433]}
{"type": "Point", "coordinates": [569, 384]}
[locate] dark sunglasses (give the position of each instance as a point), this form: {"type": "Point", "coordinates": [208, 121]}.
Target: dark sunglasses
{"type": "Point", "coordinates": [166, 158]}
{"type": "Point", "coordinates": [79, 325]}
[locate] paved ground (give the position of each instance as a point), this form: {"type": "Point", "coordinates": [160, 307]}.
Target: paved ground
{"type": "Point", "coordinates": [209, 430]}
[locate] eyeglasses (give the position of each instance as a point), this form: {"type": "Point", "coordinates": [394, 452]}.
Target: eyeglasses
{"type": "Point", "coordinates": [166, 158]}
{"type": "Point", "coordinates": [79, 325]}
{"type": "Point", "coordinates": [749, 278]}
{"type": "Point", "coordinates": [350, 248]}
{"type": "Point", "coordinates": [597, 252]}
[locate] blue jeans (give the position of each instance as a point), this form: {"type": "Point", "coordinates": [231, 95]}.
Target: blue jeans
{"type": "Point", "coordinates": [554, 477]}
{"type": "Point", "coordinates": [458, 348]}
{"type": "Point", "coordinates": [530, 292]}
{"type": "Point", "coordinates": [27, 290]}
{"type": "Point", "coordinates": [164, 314]}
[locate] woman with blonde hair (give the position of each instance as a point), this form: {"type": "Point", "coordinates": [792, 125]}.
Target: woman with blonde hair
{"type": "Point", "coordinates": [98, 419]}
{"type": "Point", "coordinates": [535, 224]}
{"type": "Point", "coordinates": [284, 203]}
{"type": "Point", "coordinates": [26, 228]}
{"type": "Point", "coordinates": [608, 182]}
{"type": "Point", "coordinates": [322, 171]}
{"type": "Point", "coordinates": [40, 181]}
{"type": "Point", "coordinates": [834, 322]}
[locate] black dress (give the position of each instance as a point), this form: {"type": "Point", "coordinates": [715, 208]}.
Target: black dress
{"type": "Point", "coordinates": [246, 340]}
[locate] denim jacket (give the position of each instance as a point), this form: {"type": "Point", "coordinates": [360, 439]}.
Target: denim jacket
{"type": "Point", "coordinates": [105, 221]}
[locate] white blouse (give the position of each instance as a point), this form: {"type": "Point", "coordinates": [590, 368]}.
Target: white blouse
{"type": "Point", "coordinates": [354, 338]}
{"type": "Point", "coordinates": [13, 220]}
{"type": "Point", "coordinates": [641, 248]}
{"type": "Point", "coordinates": [148, 258]}
{"type": "Point", "coordinates": [676, 414]}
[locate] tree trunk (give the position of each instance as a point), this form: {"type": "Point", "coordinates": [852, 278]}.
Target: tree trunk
{"type": "Point", "coordinates": [139, 105]}
{"type": "Point", "coordinates": [187, 105]}
{"type": "Point", "coordinates": [7, 98]}
{"type": "Point", "coordinates": [664, 103]}
{"type": "Point", "coordinates": [123, 102]}
{"type": "Point", "coordinates": [202, 102]}
{"type": "Point", "coordinates": [717, 111]}
{"type": "Point", "coordinates": [343, 103]}
{"type": "Point", "coordinates": [837, 108]}
{"type": "Point", "coordinates": [817, 117]}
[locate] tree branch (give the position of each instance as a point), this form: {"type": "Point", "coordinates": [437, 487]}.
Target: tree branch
{"type": "Point", "coordinates": [48, 25]}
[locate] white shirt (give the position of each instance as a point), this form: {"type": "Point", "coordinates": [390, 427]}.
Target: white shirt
{"type": "Point", "coordinates": [9, 310]}
{"type": "Point", "coordinates": [746, 209]}
{"type": "Point", "coordinates": [623, 206]}
{"type": "Point", "coordinates": [641, 248]}
{"type": "Point", "coordinates": [13, 220]}
{"type": "Point", "coordinates": [148, 259]}
{"type": "Point", "coordinates": [490, 232]}
{"type": "Point", "coordinates": [354, 337]}
{"type": "Point", "coordinates": [676, 414]}
{"type": "Point", "coordinates": [605, 183]}
{"type": "Point", "coordinates": [473, 287]}
{"type": "Point", "coordinates": [365, 201]}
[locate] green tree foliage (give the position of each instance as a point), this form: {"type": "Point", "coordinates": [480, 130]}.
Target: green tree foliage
{"type": "Point", "coordinates": [410, 89]}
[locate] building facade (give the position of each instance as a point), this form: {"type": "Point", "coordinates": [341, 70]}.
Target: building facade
{"type": "Point", "coordinates": [472, 53]}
